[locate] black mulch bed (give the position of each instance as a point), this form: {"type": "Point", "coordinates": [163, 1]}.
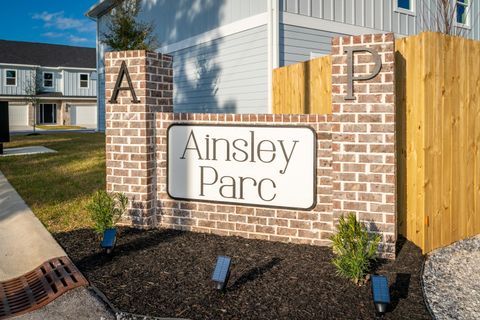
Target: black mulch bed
{"type": "Point", "coordinates": [167, 273]}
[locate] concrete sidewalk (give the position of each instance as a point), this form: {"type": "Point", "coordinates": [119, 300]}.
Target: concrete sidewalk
{"type": "Point", "coordinates": [24, 242]}
{"type": "Point", "coordinates": [24, 245]}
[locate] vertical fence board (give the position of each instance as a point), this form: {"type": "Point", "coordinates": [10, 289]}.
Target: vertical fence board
{"type": "Point", "coordinates": [401, 136]}
{"type": "Point", "coordinates": [432, 175]}
{"type": "Point", "coordinates": [409, 97]}
{"type": "Point", "coordinates": [446, 168]}
{"type": "Point", "coordinates": [475, 87]}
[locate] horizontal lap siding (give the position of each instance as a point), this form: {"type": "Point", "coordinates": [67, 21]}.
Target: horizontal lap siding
{"type": "Point", "coordinates": [297, 43]}
{"type": "Point", "coordinates": [227, 75]}
{"type": "Point", "coordinates": [175, 21]}
{"type": "Point", "coordinates": [178, 20]}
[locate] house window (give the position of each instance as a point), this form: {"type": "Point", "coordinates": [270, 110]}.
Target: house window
{"type": "Point", "coordinates": [405, 6]}
{"type": "Point", "coordinates": [10, 77]}
{"type": "Point", "coordinates": [83, 80]}
{"type": "Point", "coordinates": [462, 10]}
{"type": "Point", "coordinates": [48, 80]}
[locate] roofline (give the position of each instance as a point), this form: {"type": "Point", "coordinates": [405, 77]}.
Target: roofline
{"type": "Point", "coordinates": [45, 67]}
{"type": "Point", "coordinates": [46, 44]}
{"type": "Point", "coordinates": [101, 8]}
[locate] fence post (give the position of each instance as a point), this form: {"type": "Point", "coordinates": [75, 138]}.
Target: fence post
{"type": "Point", "coordinates": [364, 161]}
{"type": "Point", "coordinates": [138, 85]}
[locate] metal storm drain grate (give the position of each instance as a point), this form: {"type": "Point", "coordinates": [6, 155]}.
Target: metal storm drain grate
{"type": "Point", "coordinates": [39, 287]}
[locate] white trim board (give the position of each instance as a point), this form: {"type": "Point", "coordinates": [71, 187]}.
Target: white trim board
{"type": "Point", "coordinates": [273, 46]}
{"type": "Point", "coordinates": [326, 25]}
{"type": "Point", "coordinates": [223, 31]}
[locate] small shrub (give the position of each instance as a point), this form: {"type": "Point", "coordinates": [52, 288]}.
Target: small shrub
{"type": "Point", "coordinates": [354, 248]}
{"type": "Point", "coordinates": [106, 209]}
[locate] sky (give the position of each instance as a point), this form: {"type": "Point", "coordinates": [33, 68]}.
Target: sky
{"type": "Point", "coordinates": [48, 21]}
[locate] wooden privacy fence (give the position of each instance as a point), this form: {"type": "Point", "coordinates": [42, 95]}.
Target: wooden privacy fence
{"type": "Point", "coordinates": [438, 131]}
{"type": "Point", "coordinates": [303, 88]}
{"type": "Point", "coordinates": [438, 104]}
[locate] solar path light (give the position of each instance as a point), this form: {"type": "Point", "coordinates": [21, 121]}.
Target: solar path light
{"type": "Point", "coordinates": [109, 240]}
{"type": "Point", "coordinates": [222, 272]}
{"type": "Point", "coordinates": [381, 293]}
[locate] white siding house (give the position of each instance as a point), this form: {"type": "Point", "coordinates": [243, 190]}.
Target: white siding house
{"type": "Point", "coordinates": [225, 50]}
{"type": "Point", "coordinates": [63, 78]}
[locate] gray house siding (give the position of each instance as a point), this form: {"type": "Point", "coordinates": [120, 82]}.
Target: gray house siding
{"type": "Point", "coordinates": [179, 20]}
{"type": "Point", "coordinates": [72, 84]}
{"type": "Point", "coordinates": [298, 43]}
{"type": "Point", "coordinates": [227, 75]}
{"type": "Point", "coordinates": [377, 14]}
{"type": "Point", "coordinates": [57, 80]}
{"type": "Point", "coordinates": [66, 82]}
{"type": "Point", "coordinates": [24, 75]}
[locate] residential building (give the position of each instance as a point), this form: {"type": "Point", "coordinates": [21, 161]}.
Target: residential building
{"type": "Point", "coordinates": [63, 78]}
{"type": "Point", "coordinates": [225, 50]}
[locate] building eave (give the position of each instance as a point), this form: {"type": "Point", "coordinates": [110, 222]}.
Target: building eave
{"type": "Point", "coordinates": [99, 9]}
{"type": "Point", "coordinates": [5, 64]}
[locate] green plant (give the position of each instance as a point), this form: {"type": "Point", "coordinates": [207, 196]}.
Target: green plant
{"type": "Point", "coordinates": [354, 249]}
{"type": "Point", "coordinates": [106, 209]}
{"type": "Point", "coordinates": [126, 32]}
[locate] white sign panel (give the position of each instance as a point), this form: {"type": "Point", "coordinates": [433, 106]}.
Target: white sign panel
{"type": "Point", "coordinates": [248, 165]}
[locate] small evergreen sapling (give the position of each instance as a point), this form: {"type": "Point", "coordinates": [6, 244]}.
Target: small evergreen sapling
{"type": "Point", "coordinates": [354, 249]}
{"type": "Point", "coordinates": [126, 32]}
{"type": "Point", "coordinates": [106, 210]}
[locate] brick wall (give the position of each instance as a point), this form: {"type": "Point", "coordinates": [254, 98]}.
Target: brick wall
{"type": "Point", "coordinates": [130, 133]}
{"type": "Point", "coordinates": [364, 137]}
{"type": "Point", "coordinates": [355, 153]}
{"type": "Point", "coordinates": [308, 227]}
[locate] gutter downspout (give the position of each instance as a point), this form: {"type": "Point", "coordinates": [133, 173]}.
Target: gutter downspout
{"type": "Point", "coordinates": [273, 46]}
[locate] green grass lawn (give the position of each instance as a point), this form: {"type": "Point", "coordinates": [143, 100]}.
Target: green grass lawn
{"type": "Point", "coordinates": [49, 127]}
{"type": "Point", "coordinates": [57, 186]}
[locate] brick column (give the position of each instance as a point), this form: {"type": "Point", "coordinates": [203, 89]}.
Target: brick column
{"type": "Point", "coordinates": [130, 128]}
{"type": "Point", "coordinates": [364, 170]}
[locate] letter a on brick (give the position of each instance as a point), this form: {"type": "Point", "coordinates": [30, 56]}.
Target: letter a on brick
{"type": "Point", "coordinates": [118, 85]}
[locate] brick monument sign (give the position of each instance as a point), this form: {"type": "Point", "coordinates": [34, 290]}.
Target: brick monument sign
{"type": "Point", "coordinates": [264, 176]}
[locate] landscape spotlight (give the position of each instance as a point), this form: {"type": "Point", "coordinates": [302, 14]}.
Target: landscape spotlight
{"type": "Point", "coordinates": [381, 293]}
{"type": "Point", "coordinates": [109, 240]}
{"type": "Point", "coordinates": [222, 272]}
